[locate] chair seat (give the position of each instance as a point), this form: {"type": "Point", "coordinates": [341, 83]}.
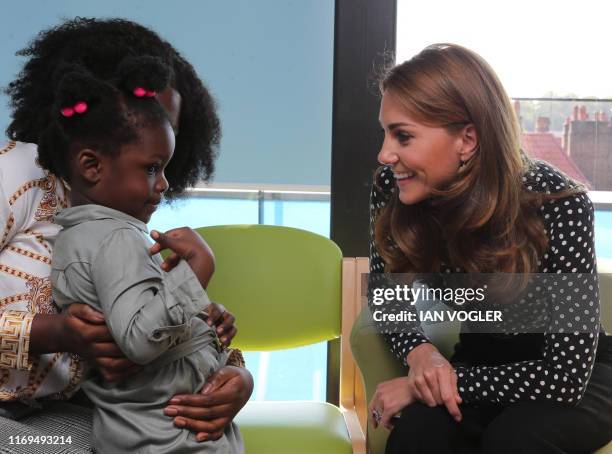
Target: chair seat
{"type": "Point", "coordinates": [293, 428]}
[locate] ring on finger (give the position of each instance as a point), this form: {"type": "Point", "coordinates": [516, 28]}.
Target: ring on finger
{"type": "Point", "coordinates": [377, 415]}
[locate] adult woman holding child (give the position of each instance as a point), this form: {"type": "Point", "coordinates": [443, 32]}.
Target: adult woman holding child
{"type": "Point", "coordinates": [41, 364]}
{"type": "Point", "coordinates": [457, 195]}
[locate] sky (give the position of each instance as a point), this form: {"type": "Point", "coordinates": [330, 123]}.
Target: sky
{"type": "Point", "coordinates": [535, 46]}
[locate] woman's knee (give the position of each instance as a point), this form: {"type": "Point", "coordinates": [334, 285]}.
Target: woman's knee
{"type": "Point", "coordinates": [535, 428]}
{"type": "Point", "coordinates": [500, 439]}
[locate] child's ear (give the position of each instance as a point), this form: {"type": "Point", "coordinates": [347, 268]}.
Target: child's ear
{"type": "Point", "coordinates": [89, 165]}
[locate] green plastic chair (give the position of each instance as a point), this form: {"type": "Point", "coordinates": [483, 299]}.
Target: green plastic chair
{"type": "Point", "coordinates": [284, 286]}
{"type": "Point", "coordinates": [377, 364]}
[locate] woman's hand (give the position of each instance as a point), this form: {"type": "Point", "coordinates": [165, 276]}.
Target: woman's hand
{"type": "Point", "coordinates": [221, 398]}
{"type": "Point", "coordinates": [389, 399]}
{"type": "Point", "coordinates": [84, 332]}
{"type": "Point", "coordinates": [224, 321]}
{"type": "Point", "coordinates": [185, 244]}
{"type": "Point", "coordinates": [432, 379]}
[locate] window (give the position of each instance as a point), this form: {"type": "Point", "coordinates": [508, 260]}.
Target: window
{"type": "Point", "coordinates": [295, 374]}
{"type": "Point", "coordinates": [552, 59]}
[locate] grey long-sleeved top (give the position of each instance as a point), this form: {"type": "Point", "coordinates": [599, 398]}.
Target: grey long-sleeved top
{"type": "Point", "coordinates": [109, 268]}
{"type": "Point", "coordinates": [101, 258]}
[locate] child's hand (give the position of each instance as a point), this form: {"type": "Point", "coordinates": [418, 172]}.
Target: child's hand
{"type": "Point", "coordinates": [185, 244]}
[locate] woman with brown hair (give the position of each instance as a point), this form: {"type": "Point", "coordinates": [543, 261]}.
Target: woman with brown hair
{"type": "Point", "coordinates": [456, 195]}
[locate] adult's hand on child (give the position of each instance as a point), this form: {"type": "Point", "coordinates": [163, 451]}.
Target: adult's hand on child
{"type": "Point", "coordinates": [208, 413]}
{"type": "Point", "coordinates": [433, 380]}
{"type": "Point", "coordinates": [224, 322]}
{"type": "Point", "coordinates": [187, 245]}
{"type": "Point", "coordinates": [85, 333]}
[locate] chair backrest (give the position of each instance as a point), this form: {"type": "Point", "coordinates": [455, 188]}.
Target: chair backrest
{"type": "Point", "coordinates": [282, 284]}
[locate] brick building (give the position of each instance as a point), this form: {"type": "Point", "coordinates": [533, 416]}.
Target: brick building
{"type": "Point", "coordinates": [583, 150]}
{"type": "Point", "coordinates": [588, 143]}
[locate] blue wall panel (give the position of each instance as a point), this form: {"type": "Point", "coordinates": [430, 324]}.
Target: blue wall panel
{"type": "Point", "coordinates": [269, 64]}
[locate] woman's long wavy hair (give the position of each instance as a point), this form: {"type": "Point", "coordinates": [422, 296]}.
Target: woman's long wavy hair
{"type": "Point", "coordinates": [484, 220]}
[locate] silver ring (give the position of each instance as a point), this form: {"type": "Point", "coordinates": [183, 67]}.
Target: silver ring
{"type": "Point", "coordinates": [377, 415]}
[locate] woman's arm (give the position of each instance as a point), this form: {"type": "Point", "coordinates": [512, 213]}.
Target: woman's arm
{"type": "Point", "coordinates": [32, 333]}
{"type": "Point", "coordinates": [431, 379]}
{"type": "Point", "coordinates": [18, 323]}
{"type": "Point", "coordinates": [223, 321]}
{"type": "Point", "coordinates": [573, 320]}
{"type": "Point", "coordinates": [69, 331]}
{"type": "Point", "coordinates": [81, 330]}
{"type": "Point", "coordinates": [402, 337]}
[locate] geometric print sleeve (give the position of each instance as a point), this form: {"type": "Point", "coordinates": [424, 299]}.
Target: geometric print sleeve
{"type": "Point", "coordinates": [571, 334]}
{"type": "Point", "coordinates": [29, 199]}
{"type": "Point", "coordinates": [402, 338]}
{"type": "Point", "coordinates": [15, 327]}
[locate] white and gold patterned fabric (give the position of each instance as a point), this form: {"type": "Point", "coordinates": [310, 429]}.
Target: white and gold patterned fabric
{"type": "Point", "coordinates": [29, 200]}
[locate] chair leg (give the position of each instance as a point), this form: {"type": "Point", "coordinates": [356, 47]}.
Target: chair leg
{"type": "Point", "coordinates": [356, 434]}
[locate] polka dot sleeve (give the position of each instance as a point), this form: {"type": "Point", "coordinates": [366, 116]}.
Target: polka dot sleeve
{"type": "Point", "coordinates": [573, 321]}
{"type": "Point", "coordinates": [400, 339]}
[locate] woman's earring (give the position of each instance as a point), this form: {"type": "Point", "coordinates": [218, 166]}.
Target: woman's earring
{"type": "Point", "coordinates": [461, 163]}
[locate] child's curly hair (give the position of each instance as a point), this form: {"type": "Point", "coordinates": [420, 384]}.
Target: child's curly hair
{"type": "Point", "coordinates": [88, 112]}
{"type": "Point", "coordinates": [99, 46]}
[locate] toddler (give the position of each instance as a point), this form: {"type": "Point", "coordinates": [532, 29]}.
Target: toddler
{"type": "Point", "coordinates": [111, 142]}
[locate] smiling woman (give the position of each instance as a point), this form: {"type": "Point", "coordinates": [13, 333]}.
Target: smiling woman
{"type": "Point", "coordinates": [472, 168]}
{"type": "Point", "coordinates": [457, 195]}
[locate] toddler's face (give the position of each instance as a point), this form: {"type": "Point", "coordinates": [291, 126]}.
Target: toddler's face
{"type": "Point", "coordinates": [134, 182]}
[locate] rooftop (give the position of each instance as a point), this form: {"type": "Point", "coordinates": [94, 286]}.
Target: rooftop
{"type": "Point", "coordinates": [547, 147]}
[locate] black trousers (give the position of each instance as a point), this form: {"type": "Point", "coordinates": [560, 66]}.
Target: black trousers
{"type": "Point", "coordinates": [520, 428]}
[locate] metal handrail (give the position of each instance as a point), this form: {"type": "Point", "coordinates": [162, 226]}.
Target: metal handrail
{"type": "Point", "coordinates": [602, 200]}
{"type": "Point", "coordinates": [563, 99]}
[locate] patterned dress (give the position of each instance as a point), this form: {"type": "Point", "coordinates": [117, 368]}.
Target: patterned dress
{"type": "Point", "coordinates": [29, 201]}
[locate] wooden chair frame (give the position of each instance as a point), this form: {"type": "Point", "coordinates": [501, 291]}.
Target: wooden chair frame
{"type": "Point", "coordinates": [352, 391]}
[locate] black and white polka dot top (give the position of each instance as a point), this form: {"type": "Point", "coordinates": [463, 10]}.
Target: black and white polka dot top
{"type": "Point", "coordinates": [554, 365]}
